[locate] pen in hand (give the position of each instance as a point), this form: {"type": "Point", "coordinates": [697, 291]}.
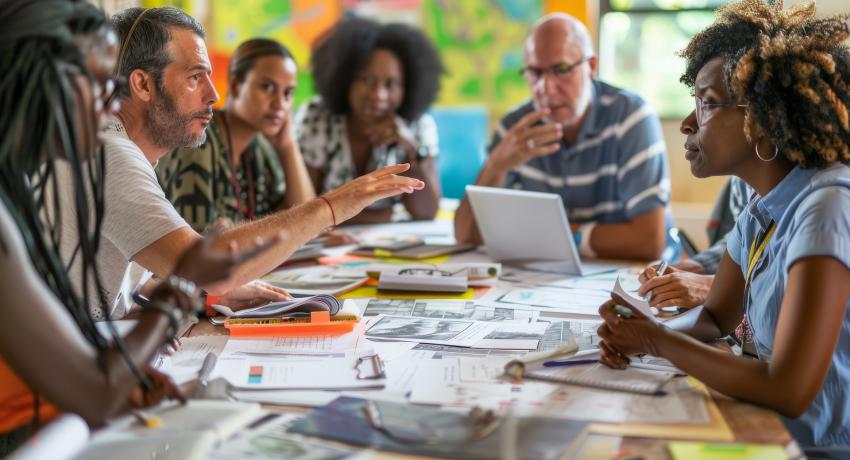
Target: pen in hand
{"type": "Point", "coordinates": [207, 367]}
{"type": "Point", "coordinates": [624, 312]}
{"type": "Point", "coordinates": [659, 270]}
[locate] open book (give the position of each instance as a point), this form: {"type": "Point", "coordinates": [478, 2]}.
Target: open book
{"type": "Point", "coordinates": [297, 307]}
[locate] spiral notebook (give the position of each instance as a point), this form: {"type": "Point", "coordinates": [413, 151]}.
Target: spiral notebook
{"type": "Point", "coordinates": [600, 376]}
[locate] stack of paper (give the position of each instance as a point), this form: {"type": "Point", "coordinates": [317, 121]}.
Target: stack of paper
{"type": "Point", "coordinates": [457, 332]}
{"type": "Point", "coordinates": [314, 280]}
{"type": "Point", "coordinates": [449, 309]}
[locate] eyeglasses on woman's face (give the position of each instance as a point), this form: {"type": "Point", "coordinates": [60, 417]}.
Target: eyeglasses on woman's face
{"type": "Point", "coordinates": [706, 110]}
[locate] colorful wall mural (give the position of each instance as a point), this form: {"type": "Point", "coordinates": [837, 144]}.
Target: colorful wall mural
{"type": "Point", "coordinates": [480, 40]}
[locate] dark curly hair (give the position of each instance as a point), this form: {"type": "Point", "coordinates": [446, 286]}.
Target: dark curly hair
{"type": "Point", "coordinates": [346, 51]}
{"type": "Point", "coordinates": [792, 68]}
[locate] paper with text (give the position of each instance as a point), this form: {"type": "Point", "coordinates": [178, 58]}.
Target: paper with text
{"type": "Point", "coordinates": [640, 304]}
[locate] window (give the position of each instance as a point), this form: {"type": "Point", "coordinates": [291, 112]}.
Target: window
{"type": "Point", "coordinates": [638, 42]}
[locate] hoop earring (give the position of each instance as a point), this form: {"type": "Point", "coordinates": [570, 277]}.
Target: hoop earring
{"type": "Point", "coordinates": [775, 154]}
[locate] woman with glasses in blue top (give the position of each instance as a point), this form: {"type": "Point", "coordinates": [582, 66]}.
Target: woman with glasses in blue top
{"type": "Point", "coordinates": [772, 102]}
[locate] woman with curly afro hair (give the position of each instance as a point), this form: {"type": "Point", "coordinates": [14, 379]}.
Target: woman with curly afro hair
{"type": "Point", "coordinates": [375, 82]}
{"type": "Point", "coordinates": [771, 94]}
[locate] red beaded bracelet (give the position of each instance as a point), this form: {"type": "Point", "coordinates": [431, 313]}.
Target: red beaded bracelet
{"type": "Point", "coordinates": [209, 301]}
{"type": "Point", "coordinates": [333, 215]}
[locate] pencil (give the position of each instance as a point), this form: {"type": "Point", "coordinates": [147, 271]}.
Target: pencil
{"type": "Point", "coordinates": [150, 421]}
{"type": "Point", "coordinates": [516, 367]}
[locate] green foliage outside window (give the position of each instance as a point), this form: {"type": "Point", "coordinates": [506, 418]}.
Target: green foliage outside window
{"type": "Point", "coordinates": [638, 42]}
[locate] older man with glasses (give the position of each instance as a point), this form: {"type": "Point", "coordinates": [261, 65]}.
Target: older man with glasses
{"type": "Point", "coordinates": [599, 147]}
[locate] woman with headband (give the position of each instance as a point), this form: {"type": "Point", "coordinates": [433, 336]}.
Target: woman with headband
{"type": "Point", "coordinates": [250, 164]}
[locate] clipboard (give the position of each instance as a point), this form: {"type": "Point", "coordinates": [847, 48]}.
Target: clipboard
{"type": "Point", "coordinates": [716, 430]}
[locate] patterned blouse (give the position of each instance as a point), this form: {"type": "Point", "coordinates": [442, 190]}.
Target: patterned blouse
{"type": "Point", "coordinates": [201, 185]}
{"type": "Point", "coordinates": [323, 138]}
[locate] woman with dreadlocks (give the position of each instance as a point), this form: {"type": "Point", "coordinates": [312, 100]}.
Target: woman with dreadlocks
{"type": "Point", "coordinates": [772, 97]}
{"type": "Point", "coordinates": [59, 57]}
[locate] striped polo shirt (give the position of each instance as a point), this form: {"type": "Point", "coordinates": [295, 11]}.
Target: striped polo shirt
{"type": "Point", "coordinates": [616, 169]}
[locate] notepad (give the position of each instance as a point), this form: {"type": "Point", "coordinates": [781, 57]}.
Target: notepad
{"type": "Point", "coordinates": [601, 376]}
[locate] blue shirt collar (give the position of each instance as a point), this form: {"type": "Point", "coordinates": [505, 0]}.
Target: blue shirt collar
{"type": "Point", "coordinates": [591, 124]}
{"type": "Point", "coordinates": [772, 206]}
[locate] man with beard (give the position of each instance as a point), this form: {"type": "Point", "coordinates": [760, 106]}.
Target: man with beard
{"type": "Point", "coordinates": [166, 102]}
{"type": "Point", "coordinates": [599, 147]}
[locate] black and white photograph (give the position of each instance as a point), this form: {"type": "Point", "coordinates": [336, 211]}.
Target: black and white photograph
{"type": "Point", "coordinates": [399, 307]}
{"type": "Point", "coordinates": [448, 309]}
{"type": "Point", "coordinates": [417, 328]}
{"type": "Point", "coordinates": [444, 309]}
{"type": "Point", "coordinates": [514, 334]}
{"type": "Point", "coordinates": [482, 313]}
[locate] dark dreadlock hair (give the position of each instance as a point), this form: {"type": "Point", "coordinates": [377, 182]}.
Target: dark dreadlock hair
{"type": "Point", "coordinates": [792, 68]}
{"type": "Point", "coordinates": [40, 126]}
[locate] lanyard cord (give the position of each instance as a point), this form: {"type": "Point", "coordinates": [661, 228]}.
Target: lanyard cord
{"type": "Point", "coordinates": [755, 254]}
{"type": "Point", "coordinates": [744, 331]}
{"type": "Point", "coordinates": [234, 179]}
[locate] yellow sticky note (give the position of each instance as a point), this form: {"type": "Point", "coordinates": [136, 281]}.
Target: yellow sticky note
{"type": "Point", "coordinates": [445, 214]}
{"type": "Point", "coordinates": [382, 253]}
{"type": "Point", "coordinates": [725, 451]}
{"type": "Point", "coordinates": [398, 260]}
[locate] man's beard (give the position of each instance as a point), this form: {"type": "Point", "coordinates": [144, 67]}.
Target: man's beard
{"type": "Point", "coordinates": [169, 128]}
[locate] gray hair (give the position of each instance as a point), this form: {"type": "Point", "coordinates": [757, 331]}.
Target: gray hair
{"type": "Point", "coordinates": [147, 48]}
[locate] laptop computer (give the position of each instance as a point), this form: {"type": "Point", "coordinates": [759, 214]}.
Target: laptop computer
{"type": "Point", "coordinates": [529, 230]}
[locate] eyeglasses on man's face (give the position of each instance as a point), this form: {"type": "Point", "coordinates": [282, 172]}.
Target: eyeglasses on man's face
{"type": "Point", "coordinates": [560, 71]}
{"type": "Point", "coordinates": [705, 110]}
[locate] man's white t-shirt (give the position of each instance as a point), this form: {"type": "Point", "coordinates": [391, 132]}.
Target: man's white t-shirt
{"type": "Point", "coordinates": [136, 214]}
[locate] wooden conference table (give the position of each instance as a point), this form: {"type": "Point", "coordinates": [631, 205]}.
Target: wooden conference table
{"type": "Point", "coordinates": [748, 423]}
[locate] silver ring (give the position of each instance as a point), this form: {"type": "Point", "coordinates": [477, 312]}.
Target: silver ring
{"type": "Point", "coordinates": [529, 143]}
